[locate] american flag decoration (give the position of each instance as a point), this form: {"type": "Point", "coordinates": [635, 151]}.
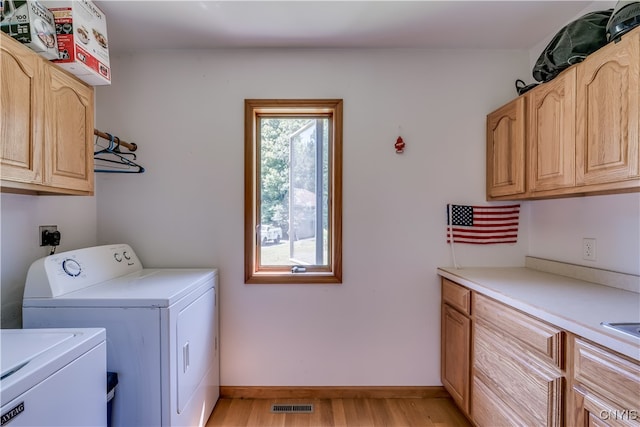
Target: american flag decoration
{"type": "Point", "coordinates": [483, 224]}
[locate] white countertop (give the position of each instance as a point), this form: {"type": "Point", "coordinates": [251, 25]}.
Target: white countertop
{"type": "Point", "coordinates": [574, 305]}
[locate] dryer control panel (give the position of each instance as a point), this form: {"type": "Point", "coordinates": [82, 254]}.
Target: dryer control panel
{"type": "Point", "coordinates": [70, 271]}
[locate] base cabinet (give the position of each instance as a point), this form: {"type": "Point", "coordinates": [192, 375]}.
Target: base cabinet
{"type": "Point", "coordinates": [455, 363]}
{"type": "Point", "coordinates": [504, 367]}
{"type": "Point", "coordinates": [489, 410]}
{"type": "Point", "coordinates": [593, 411]}
{"type": "Point", "coordinates": [456, 342]}
{"type": "Point", "coordinates": [606, 387]}
{"type": "Point", "coordinates": [513, 377]}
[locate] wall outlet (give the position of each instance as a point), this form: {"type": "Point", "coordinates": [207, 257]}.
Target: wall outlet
{"type": "Point", "coordinates": [48, 228]}
{"type": "Point", "coordinates": [589, 249]}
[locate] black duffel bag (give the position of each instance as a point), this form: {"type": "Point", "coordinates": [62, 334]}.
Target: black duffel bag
{"type": "Point", "coordinates": [572, 44]}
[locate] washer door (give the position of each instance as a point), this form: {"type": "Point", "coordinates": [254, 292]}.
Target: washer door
{"type": "Point", "coordinates": [196, 331]}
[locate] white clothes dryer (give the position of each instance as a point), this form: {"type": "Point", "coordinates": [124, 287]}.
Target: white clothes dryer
{"type": "Point", "coordinates": [53, 377]}
{"type": "Point", "coordinates": [161, 327]}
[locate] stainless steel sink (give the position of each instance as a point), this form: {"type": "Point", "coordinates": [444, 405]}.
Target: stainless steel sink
{"type": "Point", "coordinates": [632, 329]}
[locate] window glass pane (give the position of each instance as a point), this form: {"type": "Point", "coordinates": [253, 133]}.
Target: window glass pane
{"type": "Point", "coordinates": [293, 182]}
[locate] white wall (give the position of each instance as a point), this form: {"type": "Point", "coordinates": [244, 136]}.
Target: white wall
{"type": "Point", "coordinates": [381, 326]}
{"type": "Point", "coordinates": [557, 228]}
{"type": "Point", "coordinates": [21, 216]}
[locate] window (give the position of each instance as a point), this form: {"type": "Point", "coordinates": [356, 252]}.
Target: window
{"type": "Point", "coordinates": [293, 191]}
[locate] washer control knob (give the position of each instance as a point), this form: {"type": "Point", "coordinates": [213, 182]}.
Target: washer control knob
{"type": "Point", "coordinates": [117, 257]}
{"type": "Point", "coordinates": [126, 255]}
{"type": "Point", "coordinates": [71, 267]}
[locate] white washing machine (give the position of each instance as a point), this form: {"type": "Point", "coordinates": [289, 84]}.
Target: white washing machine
{"type": "Point", "coordinates": [53, 377]}
{"type": "Point", "coordinates": [161, 327]}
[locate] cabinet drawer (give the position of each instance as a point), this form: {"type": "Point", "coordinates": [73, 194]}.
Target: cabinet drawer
{"type": "Point", "coordinates": [608, 374]}
{"type": "Point", "coordinates": [532, 388]}
{"type": "Point", "coordinates": [546, 339]}
{"type": "Point", "coordinates": [488, 410]}
{"type": "Point", "coordinates": [456, 296]}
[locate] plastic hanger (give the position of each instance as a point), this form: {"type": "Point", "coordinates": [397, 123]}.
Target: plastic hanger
{"type": "Point", "coordinates": [119, 161]}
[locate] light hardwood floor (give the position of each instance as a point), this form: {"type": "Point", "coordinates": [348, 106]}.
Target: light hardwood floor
{"type": "Point", "coordinates": [364, 412]}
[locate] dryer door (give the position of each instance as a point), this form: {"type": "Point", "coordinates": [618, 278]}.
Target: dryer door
{"type": "Point", "coordinates": [196, 329]}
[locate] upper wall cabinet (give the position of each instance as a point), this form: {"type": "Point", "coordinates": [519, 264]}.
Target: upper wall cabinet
{"type": "Point", "coordinates": [46, 124]}
{"type": "Point", "coordinates": [608, 93]}
{"type": "Point", "coordinates": [552, 136]}
{"type": "Point", "coordinates": [505, 150]}
{"type": "Point", "coordinates": [581, 130]}
{"type": "Point", "coordinates": [68, 129]}
{"type": "Point", "coordinates": [21, 113]}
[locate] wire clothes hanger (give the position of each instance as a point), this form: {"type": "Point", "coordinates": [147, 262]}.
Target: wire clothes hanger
{"type": "Point", "coordinates": [115, 160]}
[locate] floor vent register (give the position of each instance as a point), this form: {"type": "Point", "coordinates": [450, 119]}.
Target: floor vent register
{"type": "Point", "coordinates": [305, 408]}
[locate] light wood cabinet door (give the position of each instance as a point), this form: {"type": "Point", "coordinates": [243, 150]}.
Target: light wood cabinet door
{"type": "Point", "coordinates": [606, 387]}
{"type": "Point", "coordinates": [608, 93]}
{"type": "Point", "coordinates": [21, 110]}
{"type": "Point", "coordinates": [455, 354]}
{"type": "Point", "coordinates": [525, 388]}
{"type": "Point", "coordinates": [506, 150]}
{"type": "Point", "coordinates": [68, 132]}
{"type": "Point", "coordinates": [552, 138]}
{"type": "Point", "coordinates": [489, 411]}
{"type": "Point", "coordinates": [591, 410]}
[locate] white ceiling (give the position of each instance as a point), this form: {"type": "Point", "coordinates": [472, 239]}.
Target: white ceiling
{"type": "Point", "coordinates": [149, 24]}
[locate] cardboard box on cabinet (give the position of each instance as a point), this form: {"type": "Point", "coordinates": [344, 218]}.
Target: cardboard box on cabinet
{"type": "Point", "coordinates": [30, 23]}
{"type": "Point", "coordinates": [81, 29]}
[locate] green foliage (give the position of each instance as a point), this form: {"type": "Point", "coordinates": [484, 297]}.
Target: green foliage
{"type": "Point", "coordinates": [278, 137]}
{"type": "Point", "coordinates": [274, 164]}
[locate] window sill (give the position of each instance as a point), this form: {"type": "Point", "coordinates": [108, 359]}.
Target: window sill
{"type": "Point", "coordinates": [293, 278]}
